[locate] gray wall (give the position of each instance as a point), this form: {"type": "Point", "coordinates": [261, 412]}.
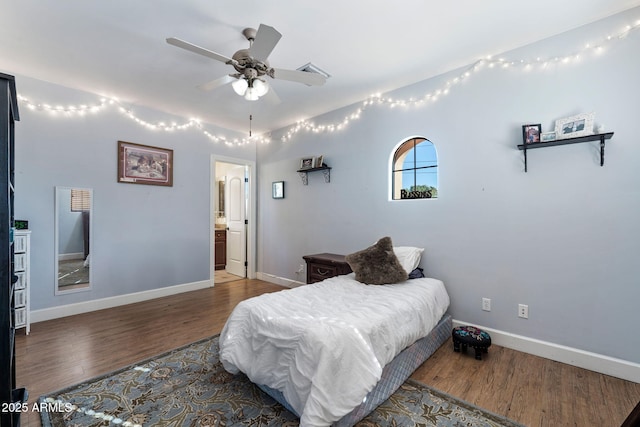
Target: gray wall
{"type": "Point", "coordinates": [563, 238]}
{"type": "Point", "coordinates": [144, 237]}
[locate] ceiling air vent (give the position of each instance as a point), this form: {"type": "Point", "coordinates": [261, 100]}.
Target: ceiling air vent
{"type": "Point", "coordinates": [311, 68]}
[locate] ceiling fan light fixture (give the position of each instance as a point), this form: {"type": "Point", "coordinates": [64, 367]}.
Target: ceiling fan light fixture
{"type": "Point", "coordinates": [252, 66]}
{"type": "Point", "coordinates": [260, 87]}
{"type": "Point", "coordinates": [240, 86]}
{"type": "Point", "coordinates": [251, 94]}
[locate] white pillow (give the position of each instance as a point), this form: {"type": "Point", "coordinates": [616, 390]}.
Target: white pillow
{"type": "Point", "coordinates": [408, 256]}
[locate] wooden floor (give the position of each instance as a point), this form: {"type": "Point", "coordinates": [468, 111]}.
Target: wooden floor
{"type": "Point", "coordinates": [525, 388]}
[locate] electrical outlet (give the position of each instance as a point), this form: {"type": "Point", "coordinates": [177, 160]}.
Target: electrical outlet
{"type": "Point", "coordinates": [523, 311]}
{"type": "Point", "coordinates": [300, 268]}
{"type": "Point", "coordinates": [486, 304]}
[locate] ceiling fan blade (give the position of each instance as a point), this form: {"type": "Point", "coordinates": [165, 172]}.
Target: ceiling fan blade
{"type": "Point", "coordinates": [311, 79]}
{"type": "Point", "coordinates": [214, 84]}
{"type": "Point", "coordinates": [266, 39]}
{"type": "Point", "coordinates": [272, 97]}
{"type": "Point", "coordinates": [197, 49]}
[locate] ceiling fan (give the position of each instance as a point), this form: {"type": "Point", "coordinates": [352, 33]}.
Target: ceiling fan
{"type": "Point", "coordinates": [251, 64]}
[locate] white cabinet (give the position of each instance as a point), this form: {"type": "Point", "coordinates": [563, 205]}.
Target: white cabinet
{"type": "Point", "coordinates": [22, 267]}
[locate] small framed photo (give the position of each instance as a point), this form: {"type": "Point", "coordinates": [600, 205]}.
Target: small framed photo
{"type": "Point", "coordinates": [547, 136]}
{"type": "Point", "coordinates": [531, 133]}
{"type": "Point", "coordinates": [318, 162]}
{"type": "Point", "coordinates": [307, 162]}
{"type": "Point", "coordinates": [144, 164]}
{"type": "Point", "coordinates": [574, 126]}
{"type": "Point", "coordinates": [277, 190]}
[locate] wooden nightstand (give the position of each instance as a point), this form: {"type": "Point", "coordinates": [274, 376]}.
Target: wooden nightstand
{"type": "Point", "coordinates": [323, 266]}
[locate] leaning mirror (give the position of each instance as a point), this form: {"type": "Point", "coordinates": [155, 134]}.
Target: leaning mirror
{"type": "Point", "coordinates": [72, 239]}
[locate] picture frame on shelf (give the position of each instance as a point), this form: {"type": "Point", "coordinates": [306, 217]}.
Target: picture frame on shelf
{"type": "Point", "coordinates": [531, 133]}
{"type": "Point", "coordinates": [574, 126]}
{"type": "Point", "coordinates": [318, 161]}
{"type": "Point", "coordinates": [307, 162]}
{"type": "Point", "coordinates": [547, 136]}
{"type": "Point", "coordinates": [277, 190]}
{"type": "Point", "coordinates": [144, 164]}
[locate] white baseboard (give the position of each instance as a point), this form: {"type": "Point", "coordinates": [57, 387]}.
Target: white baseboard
{"type": "Point", "coordinates": [279, 280]}
{"type": "Point", "coordinates": [618, 368]}
{"type": "Point", "coordinates": [110, 302]}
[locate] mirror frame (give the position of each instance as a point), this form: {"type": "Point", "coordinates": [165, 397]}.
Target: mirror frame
{"type": "Point", "coordinates": [56, 240]}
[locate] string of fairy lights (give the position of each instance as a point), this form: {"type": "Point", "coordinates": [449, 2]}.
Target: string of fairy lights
{"type": "Point", "coordinates": [104, 103]}
{"type": "Point", "coordinates": [587, 51]}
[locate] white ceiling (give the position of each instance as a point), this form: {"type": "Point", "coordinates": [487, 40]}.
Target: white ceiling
{"type": "Point", "coordinates": [117, 48]}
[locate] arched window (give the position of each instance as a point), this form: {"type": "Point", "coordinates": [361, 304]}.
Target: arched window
{"type": "Point", "coordinates": [414, 170]}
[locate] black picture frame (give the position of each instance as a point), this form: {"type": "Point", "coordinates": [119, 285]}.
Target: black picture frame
{"type": "Point", "coordinates": [531, 133]}
{"type": "Point", "coordinates": [277, 190]}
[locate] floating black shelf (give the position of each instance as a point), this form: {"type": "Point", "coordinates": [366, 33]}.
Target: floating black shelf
{"type": "Point", "coordinates": [596, 137]}
{"type": "Point", "coordinates": [326, 170]}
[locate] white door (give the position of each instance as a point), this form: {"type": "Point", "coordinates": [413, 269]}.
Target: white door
{"type": "Point", "coordinates": [236, 230]}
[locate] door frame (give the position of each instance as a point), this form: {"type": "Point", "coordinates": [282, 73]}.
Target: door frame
{"type": "Point", "coordinates": [251, 214]}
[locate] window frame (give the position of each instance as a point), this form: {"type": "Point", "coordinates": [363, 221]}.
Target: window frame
{"type": "Point", "coordinates": [411, 144]}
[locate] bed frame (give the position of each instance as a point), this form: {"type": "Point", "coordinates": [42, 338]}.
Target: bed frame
{"type": "Point", "coordinates": [394, 374]}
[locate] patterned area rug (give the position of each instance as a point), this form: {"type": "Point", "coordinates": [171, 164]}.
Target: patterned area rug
{"type": "Point", "coordinates": [189, 387]}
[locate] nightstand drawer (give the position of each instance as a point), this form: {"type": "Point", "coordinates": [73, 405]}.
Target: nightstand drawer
{"type": "Point", "coordinates": [324, 266]}
{"type": "Point", "coordinates": [321, 271]}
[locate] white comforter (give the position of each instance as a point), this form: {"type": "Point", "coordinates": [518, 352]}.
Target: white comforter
{"type": "Point", "coordinates": [324, 345]}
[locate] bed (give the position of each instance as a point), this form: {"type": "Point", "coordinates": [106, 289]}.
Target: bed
{"type": "Point", "coordinates": [332, 351]}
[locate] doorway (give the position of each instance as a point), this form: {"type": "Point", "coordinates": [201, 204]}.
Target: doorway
{"type": "Point", "coordinates": [232, 219]}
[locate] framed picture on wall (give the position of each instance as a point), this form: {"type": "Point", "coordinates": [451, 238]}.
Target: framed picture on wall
{"type": "Point", "coordinates": [277, 190]}
{"type": "Point", "coordinates": [144, 164]}
{"type": "Point", "coordinates": [318, 162]}
{"type": "Point", "coordinates": [531, 133]}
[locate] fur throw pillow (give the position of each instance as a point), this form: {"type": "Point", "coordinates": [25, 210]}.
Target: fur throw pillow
{"type": "Point", "coordinates": [377, 265]}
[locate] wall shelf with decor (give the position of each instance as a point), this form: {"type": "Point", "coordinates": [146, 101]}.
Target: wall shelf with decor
{"type": "Point", "coordinates": [553, 143]}
{"type": "Point", "coordinates": [326, 170]}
